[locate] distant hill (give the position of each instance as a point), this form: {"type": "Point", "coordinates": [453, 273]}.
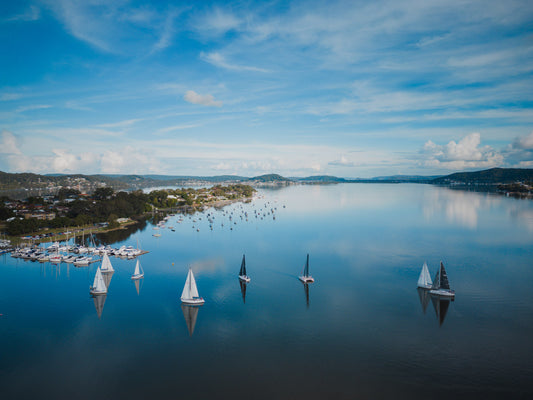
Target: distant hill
{"type": "Point", "coordinates": [320, 179]}
{"type": "Point", "coordinates": [269, 178]}
{"type": "Point", "coordinates": [406, 178]}
{"type": "Point", "coordinates": [488, 177]}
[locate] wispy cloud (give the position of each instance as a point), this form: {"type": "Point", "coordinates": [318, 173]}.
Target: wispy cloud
{"type": "Point", "coordinates": [33, 13]}
{"type": "Point", "coordinates": [219, 60]}
{"type": "Point", "coordinates": [32, 107]}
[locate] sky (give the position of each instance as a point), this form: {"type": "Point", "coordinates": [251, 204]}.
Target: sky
{"type": "Point", "coordinates": [345, 88]}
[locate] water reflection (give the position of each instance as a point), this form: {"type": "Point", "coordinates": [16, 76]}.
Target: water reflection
{"type": "Point", "coordinates": [423, 295]}
{"type": "Point", "coordinates": [138, 285]}
{"type": "Point", "coordinates": [306, 290]}
{"type": "Point", "coordinates": [243, 290]}
{"type": "Point", "coordinates": [190, 313]}
{"type": "Point", "coordinates": [459, 207]}
{"type": "Point", "coordinates": [99, 301]}
{"type": "Point", "coordinates": [441, 307]}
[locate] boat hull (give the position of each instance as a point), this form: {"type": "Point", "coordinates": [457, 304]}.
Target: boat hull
{"type": "Point", "coordinates": [96, 292]}
{"type": "Point", "coordinates": [442, 293]}
{"type": "Point", "coordinates": [424, 287]}
{"type": "Point", "coordinates": [306, 279]}
{"type": "Point", "coordinates": [244, 278]}
{"type": "Point", "coordinates": [136, 277]}
{"type": "Point", "coordinates": [193, 302]}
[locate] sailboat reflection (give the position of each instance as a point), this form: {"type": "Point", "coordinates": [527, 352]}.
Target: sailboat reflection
{"type": "Point", "coordinates": [306, 290]}
{"type": "Point", "coordinates": [138, 284]}
{"type": "Point", "coordinates": [441, 307]}
{"type": "Point", "coordinates": [424, 296]}
{"type": "Point", "coordinates": [107, 278]}
{"type": "Point", "coordinates": [190, 313]}
{"type": "Point", "coordinates": [99, 301]}
{"type": "Point", "coordinates": [243, 290]}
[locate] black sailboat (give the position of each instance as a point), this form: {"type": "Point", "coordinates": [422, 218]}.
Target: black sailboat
{"type": "Point", "coordinates": [441, 285]}
{"type": "Point", "coordinates": [306, 278]}
{"type": "Point", "coordinates": [242, 272]}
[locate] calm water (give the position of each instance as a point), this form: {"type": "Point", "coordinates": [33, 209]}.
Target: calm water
{"type": "Point", "coordinates": [359, 331]}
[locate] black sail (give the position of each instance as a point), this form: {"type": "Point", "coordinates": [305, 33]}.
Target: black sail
{"type": "Point", "coordinates": [306, 269]}
{"type": "Point", "coordinates": [242, 272]}
{"type": "Point", "coordinates": [444, 283]}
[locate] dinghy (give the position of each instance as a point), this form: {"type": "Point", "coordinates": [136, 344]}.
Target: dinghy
{"type": "Point", "coordinates": [98, 286]}
{"type": "Point", "coordinates": [190, 291]}
{"type": "Point", "coordinates": [242, 272]}
{"type": "Point", "coordinates": [424, 280]}
{"type": "Point", "coordinates": [306, 278]}
{"type": "Point", "coordinates": [441, 285]}
{"type": "Point", "coordinates": [138, 273]}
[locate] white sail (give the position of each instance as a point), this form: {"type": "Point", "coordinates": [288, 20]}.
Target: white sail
{"type": "Point", "coordinates": [190, 291]}
{"type": "Point", "coordinates": [186, 294]}
{"type": "Point", "coordinates": [106, 264]}
{"type": "Point", "coordinates": [424, 280]}
{"type": "Point", "coordinates": [98, 284]}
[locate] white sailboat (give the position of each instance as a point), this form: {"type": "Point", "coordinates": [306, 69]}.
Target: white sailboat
{"type": "Point", "coordinates": [441, 285]}
{"type": "Point", "coordinates": [242, 272]}
{"type": "Point", "coordinates": [138, 273]}
{"type": "Point", "coordinates": [424, 280]}
{"type": "Point", "coordinates": [106, 265]}
{"type": "Point", "coordinates": [306, 278]}
{"type": "Point", "coordinates": [190, 291]}
{"type": "Point", "coordinates": [98, 286]}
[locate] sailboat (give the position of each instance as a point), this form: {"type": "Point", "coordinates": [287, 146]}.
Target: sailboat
{"type": "Point", "coordinates": [190, 291]}
{"type": "Point", "coordinates": [138, 273]}
{"type": "Point", "coordinates": [106, 264]}
{"type": "Point", "coordinates": [242, 272]}
{"type": "Point", "coordinates": [306, 278]}
{"type": "Point", "coordinates": [424, 280]}
{"type": "Point", "coordinates": [98, 286]}
{"type": "Point", "coordinates": [441, 285]}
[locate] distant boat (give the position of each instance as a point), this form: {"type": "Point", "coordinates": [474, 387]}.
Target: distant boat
{"type": "Point", "coordinates": [98, 286]}
{"type": "Point", "coordinates": [157, 235]}
{"type": "Point", "coordinates": [306, 278]}
{"type": "Point", "coordinates": [441, 285]}
{"type": "Point", "coordinates": [424, 280]}
{"type": "Point", "coordinates": [242, 272]}
{"type": "Point", "coordinates": [190, 291]}
{"type": "Point", "coordinates": [106, 265]}
{"type": "Point", "coordinates": [138, 273]}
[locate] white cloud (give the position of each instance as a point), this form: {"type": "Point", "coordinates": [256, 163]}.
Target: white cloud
{"type": "Point", "coordinates": [525, 142]}
{"type": "Point", "coordinates": [32, 107]}
{"type": "Point", "coordinates": [342, 162]}
{"type": "Point", "coordinates": [9, 143]}
{"type": "Point", "coordinates": [204, 100]}
{"type": "Point", "coordinates": [465, 154]}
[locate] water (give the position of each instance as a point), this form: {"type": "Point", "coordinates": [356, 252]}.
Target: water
{"type": "Point", "coordinates": [359, 332]}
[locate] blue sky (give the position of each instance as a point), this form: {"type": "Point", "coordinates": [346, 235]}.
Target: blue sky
{"type": "Point", "coordinates": [346, 88]}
